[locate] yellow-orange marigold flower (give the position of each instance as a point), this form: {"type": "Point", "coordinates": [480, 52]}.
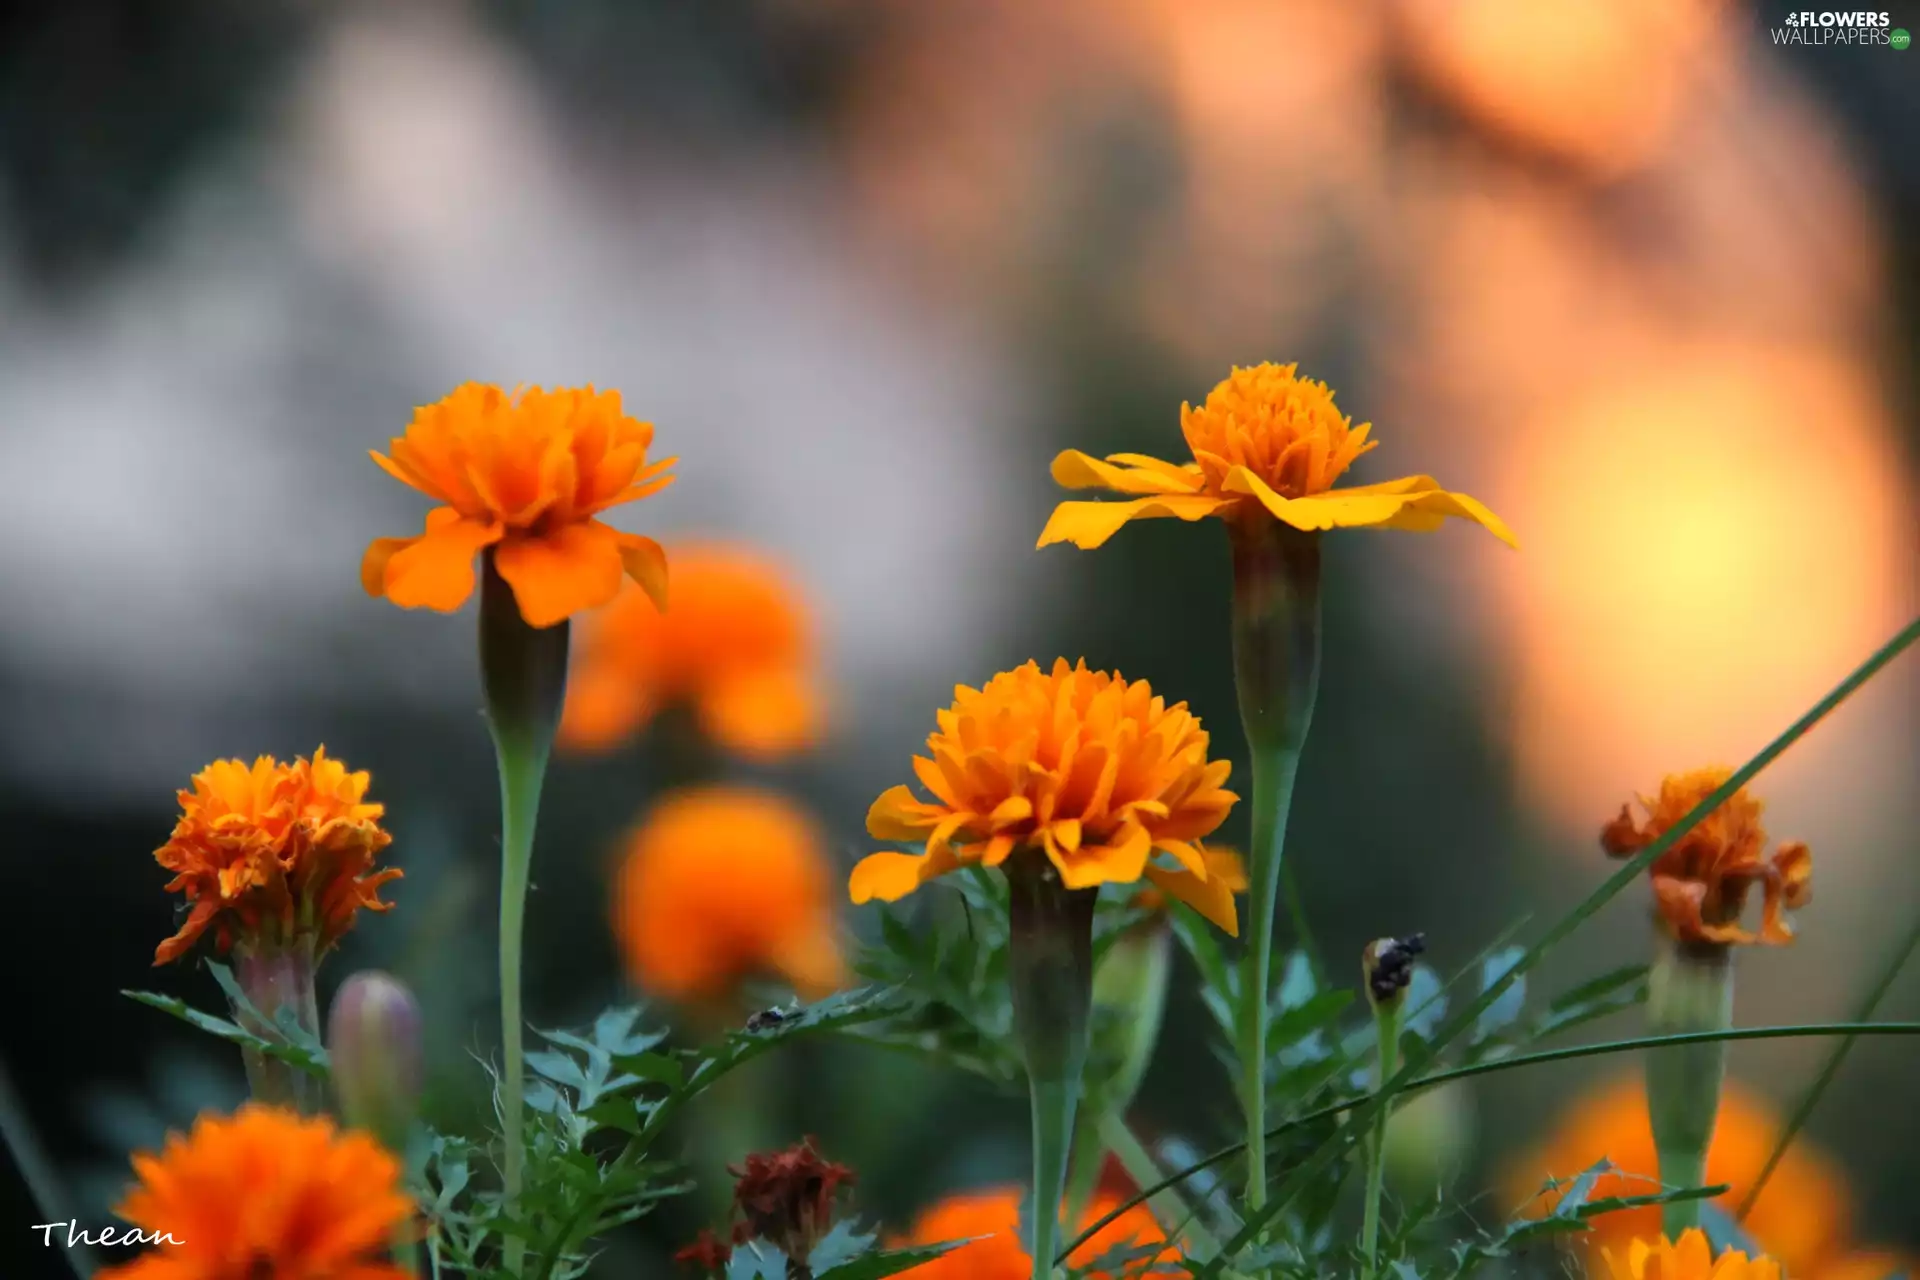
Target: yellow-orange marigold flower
{"type": "Point", "coordinates": [525, 473]}
{"type": "Point", "coordinates": [266, 1193]}
{"type": "Point", "coordinates": [737, 647]}
{"type": "Point", "coordinates": [1266, 443]}
{"type": "Point", "coordinates": [272, 851]}
{"type": "Point", "coordinates": [1700, 884]}
{"type": "Point", "coordinates": [1688, 1258]}
{"type": "Point", "coordinates": [1801, 1216]}
{"type": "Point", "coordinates": [722, 883]}
{"type": "Point", "coordinates": [1090, 768]}
{"type": "Point", "coordinates": [991, 1220]}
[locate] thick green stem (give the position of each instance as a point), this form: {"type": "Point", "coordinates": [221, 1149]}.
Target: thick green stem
{"type": "Point", "coordinates": [1276, 664]}
{"type": "Point", "coordinates": [1386, 1025]}
{"type": "Point", "coordinates": [1689, 989]}
{"type": "Point", "coordinates": [1050, 978]}
{"type": "Point", "coordinates": [524, 670]}
{"type": "Point", "coordinates": [278, 976]}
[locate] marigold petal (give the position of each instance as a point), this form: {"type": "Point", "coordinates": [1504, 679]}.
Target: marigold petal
{"type": "Point", "coordinates": [1089, 524]}
{"type": "Point", "coordinates": [1075, 470]}
{"type": "Point", "coordinates": [570, 569]}
{"type": "Point", "coordinates": [435, 570]}
{"type": "Point", "coordinates": [892, 876]}
{"type": "Point", "coordinates": [1426, 511]}
{"type": "Point", "coordinates": [897, 815]}
{"type": "Point", "coordinates": [646, 563]}
{"type": "Point", "coordinates": [1211, 897]}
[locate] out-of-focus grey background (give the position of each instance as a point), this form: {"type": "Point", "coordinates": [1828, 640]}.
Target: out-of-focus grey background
{"type": "Point", "coordinates": [1633, 272]}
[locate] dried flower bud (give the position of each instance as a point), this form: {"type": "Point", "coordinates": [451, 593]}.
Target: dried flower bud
{"type": "Point", "coordinates": [373, 1040]}
{"type": "Point", "coordinates": [786, 1197]}
{"type": "Point", "coordinates": [1388, 965]}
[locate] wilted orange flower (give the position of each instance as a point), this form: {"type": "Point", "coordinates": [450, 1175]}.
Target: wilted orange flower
{"type": "Point", "coordinates": [266, 1193]}
{"type": "Point", "coordinates": [786, 1197]}
{"type": "Point", "coordinates": [991, 1219]}
{"type": "Point", "coordinates": [1266, 443]}
{"type": "Point", "coordinates": [1689, 1258]}
{"type": "Point", "coordinates": [272, 851]}
{"type": "Point", "coordinates": [525, 473]}
{"type": "Point", "coordinates": [1802, 1214]}
{"type": "Point", "coordinates": [1096, 771]}
{"type": "Point", "coordinates": [1700, 884]}
{"type": "Point", "coordinates": [721, 883]}
{"type": "Point", "coordinates": [737, 647]}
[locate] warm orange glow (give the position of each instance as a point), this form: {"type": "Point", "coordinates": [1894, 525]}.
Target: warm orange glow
{"type": "Point", "coordinates": [1596, 82]}
{"type": "Point", "coordinates": [1711, 545]}
{"type": "Point", "coordinates": [1801, 1217]}
{"type": "Point", "coordinates": [724, 883]}
{"type": "Point", "coordinates": [991, 1219]}
{"type": "Point", "coordinates": [1688, 1258]}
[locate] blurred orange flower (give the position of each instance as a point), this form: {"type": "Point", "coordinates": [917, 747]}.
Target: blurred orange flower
{"type": "Point", "coordinates": [265, 1192]}
{"type": "Point", "coordinates": [1688, 1258]}
{"type": "Point", "coordinates": [721, 883]}
{"type": "Point", "coordinates": [1096, 771]}
{"type": "Point", "coordinates": [1801, 1217]}
{"type": "Point", "coordinates": [737, 647]}
{"type": "Point", "coordinates": [1868, 1265]}
{"type": "Point", "coordinates": [526, 474]}
{"type": "Point", "coordinates": [1700, 884]}
{"type": "Point", "coordinates": [1265, 444]}
{"type": "Point", "coordinates": [271, 851]}
{"type": "Point", "coordinates": [991, 1219]}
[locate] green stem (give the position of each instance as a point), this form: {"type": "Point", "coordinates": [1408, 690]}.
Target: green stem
{"type": "Point", "coordinates": [1276, 665]}
{"type": "Point", "coordinates": [1053, 1105]}
{"type": "Point", "coordinates": [278, 976]}
{"type": "Point", "coordinates": [524, 670]}
{"type": "Point", "coordinates": [1895, 963]}
{"type": "Point", "coordinates": [1167, 1204]}
{"type": "Point", "coordinates": [1689, 988]}
{"type": "Point", "coordinates": [36, 1170]}
{"type": "Point", "coordinates": [1386, 1024]}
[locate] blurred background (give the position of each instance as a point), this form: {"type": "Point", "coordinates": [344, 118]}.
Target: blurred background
{"type": "Point", "coordinates": [1634, 272]}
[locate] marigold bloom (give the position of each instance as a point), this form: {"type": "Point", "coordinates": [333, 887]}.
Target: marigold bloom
{"type": "Point", "coordinates": [525, 474]}
{"type": "Point", "coordinates": [1801, 1216]}
{"type": "Point", "coordinates": [1700, 884]}
{"type": "Point", "coordinates": [1265, 443]}
{"type": "Point", "coordinates": [266, 1193]}
{"type": "Point", "coordinates": [1689, 1258]}
{"type": "Point", "coordinates": [991, 1219]}
{"type": "Point", "coordinates": [786, 1197]}
{"type": "Point", "coordinates": [708, 1253]}
{"type": "Point", "coordinates": [721, 883]}
{"type": "Point", "coordinates": [270, 851]}
{"type": "Point", "coordinates": [1090, 768]}
{"type": "Point", "coordinates": [737, 648]}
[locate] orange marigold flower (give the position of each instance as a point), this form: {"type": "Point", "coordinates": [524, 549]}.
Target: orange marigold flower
{"type": "Point", "coordinates": [1088, 767]}
{"type": "Point", "coordinates": [1801, 1217]}
{"type": "Point", "coordinates": [272, 851]}
{"type": "Point", "coordinates": [525, 474]}
{"type": "Point", "coordinates": [737, 648]}
{"type": "Point", "coordinates": [266, 1193]}
{"type": "Point", "coordinates": [721, 883]}
{"type": "Point", "coordinates": [991, 1220]}
{"type": "Point", "coordinates": [1700, 884]}
{"type": "Point", "coordinates": [1689, 1258]}
{"type": "Point", "coordinates": [1267, 443]}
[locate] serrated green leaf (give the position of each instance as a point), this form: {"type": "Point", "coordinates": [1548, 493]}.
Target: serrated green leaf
{"type": "Point", "coordinates": [309, 1058]}
{"type": "Point", "coordinates": [887, 1262]}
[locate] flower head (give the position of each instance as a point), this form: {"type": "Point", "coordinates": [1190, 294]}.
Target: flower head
{"type": "Point", "coordinates": [524, 474]}
{"type": "Point", "coordinates": [1091, 769]}
{"type": "Point", "coordinates": [721, 883]}
{"type": "Point", "coordinates": [707, 1254]}
{"type": "Point", "coordinates": [1700, 884]}
{"type": "Point", "coordinates": [1800, 1217]}
{"type": "Point", "coordinates": [265, 1192]}
{"type": "Point", "coordinates": [1689, 1258]}
{"type": "Point", "coordinates": [736, 648]}
{"type": "Point", "coordinates": [786, 1197]}
{"type": "Point", "coordinates": [991, 1220]}
{"type": "Point", "coordinates": [269, 851]}
{"type": "Point", "coordinates": [1266, 444]}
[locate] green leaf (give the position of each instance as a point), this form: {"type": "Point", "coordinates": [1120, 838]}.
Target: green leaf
{"type": "Point", "coordinates": [887, 1262]}
{"type": "Point", "coordinates": [310, 1058]}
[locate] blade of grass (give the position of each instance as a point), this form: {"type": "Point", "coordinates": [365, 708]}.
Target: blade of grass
{"type": "Point", "coordinates": [1804, 1111]}
{"type": "Point", "coordinates": [43, 1184]}
{"type": "Point", "coordinates": [1423, 1054]}
{"type": "Point", "coordinates": [1796, 1031]}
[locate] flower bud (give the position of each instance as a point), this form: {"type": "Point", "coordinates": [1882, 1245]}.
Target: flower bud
{"type": "Point", "coordinates": [1130, 983]}
{"type": "Point", "coordinates": [1429, 1139]}
{"type": "Point", "coordinates": [373, 1040]}
{"type": "Point", "coordinates": [1388, 966]}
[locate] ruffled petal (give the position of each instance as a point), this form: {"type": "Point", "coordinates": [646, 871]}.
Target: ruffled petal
{"type": "Point", "coordinates": [645, 561]}
{"type": "Point", "coordinates": [1211, 897]}
{"type": "Point", "coordinates": [571, 569]}
{"type": "Point", "coordinates": [1075, 470]}
{"type": "Point", "coordinates": [896, 815]}
{"type": "Point", "coordinates": [1416, 503]}
{"type": "Point", "coordinates": [1089, 524]}
{"type": "Point", "coordinates": [435, 570]}
{"type": "Point", "coordinates": [892, 876]}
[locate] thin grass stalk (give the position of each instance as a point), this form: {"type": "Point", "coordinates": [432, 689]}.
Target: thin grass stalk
{"type": "Point", "coordinates": [1386, 1026]}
